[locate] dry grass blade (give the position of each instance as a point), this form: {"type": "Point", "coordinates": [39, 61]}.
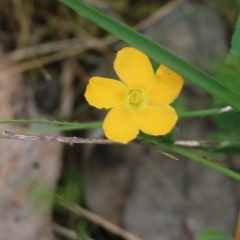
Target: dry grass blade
{"type": "Point", "coordinates": [72, 47]}
{"type": "Point", "coordinates": [161, 12]}
{"type": "Point", "coordinates": [65, 232]}
{"type": "Point", "coordinates": [70, 234]}
{"type": "Point", "coordinates": [39, 62]}
{"type": "Point", "coordinates": [98, 220]}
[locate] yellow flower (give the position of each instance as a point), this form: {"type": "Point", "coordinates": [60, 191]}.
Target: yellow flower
{"type": "Point", "coordinates": [140, 101]}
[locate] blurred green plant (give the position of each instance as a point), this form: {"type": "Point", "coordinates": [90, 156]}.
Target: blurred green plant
{"type": "Point", "coordinates": [41, 195]}
{"type": "Point", "coordinates": [235, 44]}
{"type": "Point", "coordinates": [212, 234]}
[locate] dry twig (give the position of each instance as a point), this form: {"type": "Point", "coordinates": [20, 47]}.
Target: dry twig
{"type": "Point", "coordinates": [66, 232]}
{"type": "Point", "coordinates": [66, 49]}
{"type": "Point", "coordinates": [45, 138]}
{"type": "Point", "coordinates": [77, 140]}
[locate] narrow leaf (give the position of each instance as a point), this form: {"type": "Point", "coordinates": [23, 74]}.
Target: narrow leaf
{"type": "Point", "coordinates": [184, 152]}
{"type": "Point", "coordinates": [158, 53]}
{"type": "Point", "coordinates": [235, 44]}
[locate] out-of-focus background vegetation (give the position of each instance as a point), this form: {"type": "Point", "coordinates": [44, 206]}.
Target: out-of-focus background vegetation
{"type": "Point", "coordinates": [47, 55]}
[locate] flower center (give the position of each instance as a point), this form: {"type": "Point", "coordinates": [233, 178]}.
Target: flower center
{"type": "Point", "coordinates": [135, 97]}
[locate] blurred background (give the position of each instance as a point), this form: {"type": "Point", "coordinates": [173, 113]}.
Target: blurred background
{"type": "Point", "coordinates": [47, 55]}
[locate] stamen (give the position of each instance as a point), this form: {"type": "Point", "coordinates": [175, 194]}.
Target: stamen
{"type": "Point", "coordinates": [135, 96]}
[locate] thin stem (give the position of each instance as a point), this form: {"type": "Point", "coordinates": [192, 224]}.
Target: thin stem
{"type": "Point", "coordinates": [200, 159]}
{"type": "Point", "coordinates": [200, 113]}
{"type": "Point", "coordinates": [35, 121]}
{"type": "Point", "coordinates": [98, 124]}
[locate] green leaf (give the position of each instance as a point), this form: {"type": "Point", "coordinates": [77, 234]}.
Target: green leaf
{"type": "Point", "coordinates": [228, 121]}
{"type": "Point", "coordinates": [167, 139]}
{"type": "Point", "coordinates": [213, 86]}
{"type": "Point", "coordinates": [228, 72]}
{"type": "Point", "coordinates": [231, 148]}
{"type": "Point", "coordinates": [235, 44]}
{"type": "Point", "coordinates": [213, 234]}
{"type": "Point", "coordinates": [238, 2]}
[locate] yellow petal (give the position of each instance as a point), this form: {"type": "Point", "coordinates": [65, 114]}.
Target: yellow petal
{"type": "Point", "coordinates": [157, 120]}
{"type": "Point", "coordinates": [134, 68]}
{"type": "Point", "coordinates": [166, 87]}
{"type": "Point", "coordinates": [105, 92]}
{"type": "Point", "coordinates": [119, 125]}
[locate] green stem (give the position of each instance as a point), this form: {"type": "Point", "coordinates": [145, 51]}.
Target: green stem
{"type": "Point", "coordinates": [208, 163]}
{"type": "Point", "coordinates": [195, 157]}
{"type": "Point", "coordinates": [235, 43]}
{"type": "Point", "coordinates": [33, 121]}
{"type": "Point", "coordinates": [63, 128]}
{"type": "Point", "coordinates": [98, 124]}
{"type": "Point", "coordinates": [199, 113]}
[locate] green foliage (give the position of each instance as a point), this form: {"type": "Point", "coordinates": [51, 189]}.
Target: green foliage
{"type": "Point", "coordinates": [232, 148]}
{"type": "Point", "coordinates": [212, 234]}
{"type": "Point", "coordinates": [235, 43]}
{"type": "Point", "coordinates": [229, 124]}
{"type": "Point", "coordinates": [81, 231]}
{"type": "Point", "coordinates": [166, 139]}
{"type": "Point", "coordinates": [41, 195]}
{"type": "Point", "coordinates": [199, 113]}
{"type": "Point", "coordinates": [228, 73]}
{"type": "Point", "coordinates": [229, 121]}
{"type": "Point", "coordinates": [71, 190]}
{"type": "Point", "coordinates": [61, 125]}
